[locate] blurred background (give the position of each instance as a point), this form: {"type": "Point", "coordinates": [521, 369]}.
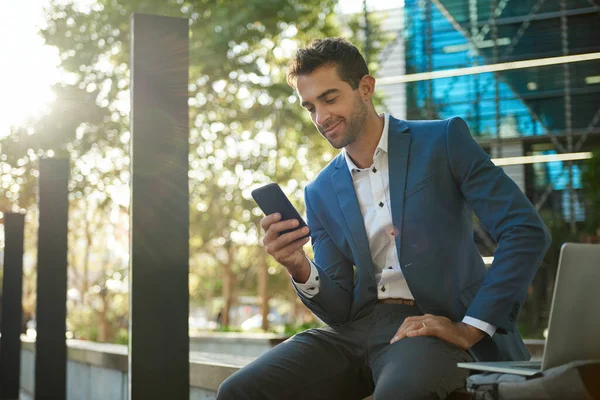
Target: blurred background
{"type": "Point", "coordinates": [524, 74]}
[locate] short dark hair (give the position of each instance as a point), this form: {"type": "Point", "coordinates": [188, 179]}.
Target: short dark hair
{"type": "Point", "coordinates": [350, 64]}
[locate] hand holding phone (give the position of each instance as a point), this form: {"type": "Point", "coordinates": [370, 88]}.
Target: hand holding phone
{"type": "Point", "coordinates": [285, 230]}
{"type": "Point", "coordinates": [271, 200]}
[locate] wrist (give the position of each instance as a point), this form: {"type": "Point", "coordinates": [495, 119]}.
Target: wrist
{"type": "Point", "coordinates": [302, 273]}
{"type": "Point", "coordinates": [473, 334]}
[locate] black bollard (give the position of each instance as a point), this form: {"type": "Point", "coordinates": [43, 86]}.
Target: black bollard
{"type": "Point", "coordinates": [12, 309]}
{"type": "Point", "coordinates": [159, 265]}
{"type": "Point", "coordinates": [51, 313]}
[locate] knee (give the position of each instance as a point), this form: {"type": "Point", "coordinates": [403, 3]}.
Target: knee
{"type": "Point", "coordinates": [406, 390]}
{"type": "Point", "coordinates": [234, 387]}
{"type": "Point", "coordinates": [423, 385]}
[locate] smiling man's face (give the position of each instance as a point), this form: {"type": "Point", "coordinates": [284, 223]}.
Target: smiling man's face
{"type": "Point", "coordinates": [337, 110]}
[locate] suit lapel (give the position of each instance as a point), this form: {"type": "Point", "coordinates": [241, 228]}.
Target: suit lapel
{"type": "Point", "coordinates": [399, 147]}
{"type": "Point", "coordinates": [342, 182]}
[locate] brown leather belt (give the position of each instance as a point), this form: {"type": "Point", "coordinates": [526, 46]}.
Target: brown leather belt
{"type": "Point", "coordinates": [408, 302]}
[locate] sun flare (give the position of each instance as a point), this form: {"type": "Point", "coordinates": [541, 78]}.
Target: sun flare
{"type": "Point", "coordinates": [27, 68]}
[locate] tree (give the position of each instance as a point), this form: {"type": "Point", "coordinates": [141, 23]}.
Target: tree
{"type": "Point", "coordinates": [246, 128]}
{"type": "Point", "coordinates": [591, 193]}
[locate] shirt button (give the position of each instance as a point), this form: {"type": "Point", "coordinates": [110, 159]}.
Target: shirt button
{"type": "Point", "coordinates": [383, 288]}
{"type": "Point", "coordinates": [381, 204]}
{"type": "Point", "coordinates": [390, 267]}
{"type": "Point", "coordinates": [374, 170]}
{"type": "Point", "coordinates": [316, 278]}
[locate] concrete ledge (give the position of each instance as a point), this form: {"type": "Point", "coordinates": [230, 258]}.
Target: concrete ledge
{"type": "Point", "coordinates": [111, 356]}
{"type": "Point", "coordinates": [210, 376]}
{"type": "Point", "coordinates": [105, 355]}
{"type": "Point", "coordinates": [247, 337]}
{"type": "Point", "coordinates": [207, 370]}
{"type": "Point", "coordinates": [244, 344]}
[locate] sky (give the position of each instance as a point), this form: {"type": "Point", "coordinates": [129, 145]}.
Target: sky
{"type": "Point", "coordinates": [28, 67]}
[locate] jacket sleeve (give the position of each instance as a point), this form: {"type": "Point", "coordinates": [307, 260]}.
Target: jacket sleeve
{"type": "Point", "coordinates": [511, 220]}
{"type": "Point", "coordinates": [334, 299]}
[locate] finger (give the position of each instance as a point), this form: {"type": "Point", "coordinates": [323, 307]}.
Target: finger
{"type": "Point", "coordinates": [290, 237]}
{"type": "Point", "coordinates": [424, 331]}
{"type": "Point", "coordinates": [409, 330]}
{"type": "Point", "coordinates": [277, 245]}
{"type": "Point", "coordinates": [281, 226]}
{"type": "Point", "coordinates": [290, 249]}
{"type": "Point", "coordinates": [405, 327]}
{"type": "Point", "coordinates": [275, 228]}
{"type": "Point", "coordinates": [419, 318]}
{"type": "Point", "coordinates": [409, 321]}
{"type": "Point", "coordinates": [269, 219]}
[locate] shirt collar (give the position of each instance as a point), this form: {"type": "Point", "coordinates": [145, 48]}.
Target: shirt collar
{"type": "Point", "coordinates": [381, 146]}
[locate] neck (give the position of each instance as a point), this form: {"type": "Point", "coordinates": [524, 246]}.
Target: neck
{"type": "Point", "coordinates": [362, 149]}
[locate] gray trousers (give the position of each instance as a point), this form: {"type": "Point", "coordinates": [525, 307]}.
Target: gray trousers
{"type": "Point", "coordinates": [351, 362]}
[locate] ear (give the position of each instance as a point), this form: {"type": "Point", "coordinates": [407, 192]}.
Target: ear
{"type": "Point", "coordinates": [366, 87]}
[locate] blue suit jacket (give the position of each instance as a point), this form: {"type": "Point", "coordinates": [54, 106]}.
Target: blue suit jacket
{"type": "Point", "coordinates": [438, 176]}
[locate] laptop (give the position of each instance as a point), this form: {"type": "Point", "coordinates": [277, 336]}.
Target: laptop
{"type": "Point", "coordinates": [574, 325]}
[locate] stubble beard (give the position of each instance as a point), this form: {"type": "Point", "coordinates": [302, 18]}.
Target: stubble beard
{"type": "Point", "coordinates": [354, 126]}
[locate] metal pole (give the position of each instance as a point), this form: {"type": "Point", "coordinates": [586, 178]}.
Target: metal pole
{"type": "Point", "coordinates": [159, 228]}
{"type": "Point", "coordinates": [429, 55]}
{"type": "Point", "coordinates": [12, 309]}
{"type": "Point", "coordinates": [564, 34]}
{"type": "Point", "coordinates": [494, 28]}
{"type": "Point", "coordinates": [473, 18]}
{"type": "Point", "coordinates": [51, 312]}
{"type": "Point", "coordinates": [367, 33]}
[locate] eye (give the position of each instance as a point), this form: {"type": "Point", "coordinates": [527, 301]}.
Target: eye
{"type": "Point", "coordinates": [331, 101]}
{"type": "Point", "coordinates": [310, 110]}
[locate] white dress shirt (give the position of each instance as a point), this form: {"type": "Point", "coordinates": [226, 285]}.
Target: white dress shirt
{"type": "Point", "coordinates": [372, 187]}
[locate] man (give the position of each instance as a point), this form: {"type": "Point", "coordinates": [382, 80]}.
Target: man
{"type": "Point", "coordinates": [396, 274]}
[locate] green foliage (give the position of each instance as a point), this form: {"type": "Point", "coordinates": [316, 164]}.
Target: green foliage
{"type": "Point", "coordinates": [537, 306]}
{"type": "Point", "coordinates": [83, 323]}
{"type": "Point", "coordinates": [122, 336]}
{"type": "Point", "coordinates": [534, 317]}
{"type": "Point", "coordinates": [591, 192]}
{"type": "Point", "coordinates": [228, 328]}
{"type": "Point", "coordinates": [528, 331]}
{"type": "Point", "coordinates": [246, 129]}
{"type": "Point", "coordinates": [291, 330]}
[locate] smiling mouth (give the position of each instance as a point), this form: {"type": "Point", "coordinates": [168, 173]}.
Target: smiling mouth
{"type": "Point", "coordinates": [332, 128]}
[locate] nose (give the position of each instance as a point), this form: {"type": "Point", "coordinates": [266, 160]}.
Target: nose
{"type": "Point", "coordinates": [322, 116]}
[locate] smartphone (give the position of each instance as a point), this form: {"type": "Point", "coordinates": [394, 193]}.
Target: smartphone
{"type": "Point", "coordinates": [271, 199]}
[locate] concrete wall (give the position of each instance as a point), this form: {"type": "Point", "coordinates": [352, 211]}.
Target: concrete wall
{"type": "Point", "coordinates": [98, 371]}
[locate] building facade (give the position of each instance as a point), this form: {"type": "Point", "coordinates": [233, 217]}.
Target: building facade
{"type": "Point", "coordinates": [525, 75]}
